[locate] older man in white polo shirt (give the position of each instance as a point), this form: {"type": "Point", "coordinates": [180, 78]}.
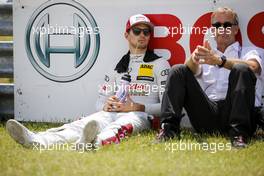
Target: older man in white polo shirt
{"type": "Point", "coordinates": [219, 88]}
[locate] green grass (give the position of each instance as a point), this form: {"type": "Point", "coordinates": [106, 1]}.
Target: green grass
{"type": "Point", "coordinates": [136, 155]}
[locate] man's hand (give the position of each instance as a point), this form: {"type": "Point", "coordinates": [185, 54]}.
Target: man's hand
{"type": "Point", "coordinates": [194, 57]}
{"type": "Point", "coordinates": [109, 103]}
{"type": "Point", "coordinates": [193, 63]}
{"type": "Point", "coordinates": [205, 55]}
{"type": "Point", "coordinates": [113, 105]}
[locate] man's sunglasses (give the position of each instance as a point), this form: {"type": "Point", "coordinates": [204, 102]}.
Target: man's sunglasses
{"type": "Point", "coordinates": [225, 24]}
{"type": "Point", "coordinates": [137, 31]}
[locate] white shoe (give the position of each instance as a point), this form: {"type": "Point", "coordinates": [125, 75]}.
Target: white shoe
{"type": "Point", "coordinates": [89, 135]}
{"type": "Point", "coordinates": [19, 133]}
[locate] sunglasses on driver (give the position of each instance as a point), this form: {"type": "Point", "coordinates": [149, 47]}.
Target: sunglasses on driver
{"type": "Point", "coordinates": [137, 31]}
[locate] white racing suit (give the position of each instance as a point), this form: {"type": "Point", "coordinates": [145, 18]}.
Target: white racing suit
{"type": "Point", "coordinates": [148, 81]}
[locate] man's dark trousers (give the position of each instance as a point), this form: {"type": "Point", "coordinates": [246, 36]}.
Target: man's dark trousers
{"type": "Point", "coordinates": [233, 115]}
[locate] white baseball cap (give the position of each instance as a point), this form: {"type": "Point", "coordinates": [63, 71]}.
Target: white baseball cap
{"type": "Point", "coordinates": [138, 19]}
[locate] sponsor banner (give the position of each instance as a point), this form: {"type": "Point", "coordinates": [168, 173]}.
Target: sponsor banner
{"type": "Point", "coordinates": [62, 49]}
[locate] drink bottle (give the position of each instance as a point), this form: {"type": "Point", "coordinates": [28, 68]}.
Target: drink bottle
{"type": "Point", "coordinates": [123, 89]}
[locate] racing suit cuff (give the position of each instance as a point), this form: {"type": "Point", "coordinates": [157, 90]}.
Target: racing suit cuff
{"type": "Point", "coordinates": [153, 109]}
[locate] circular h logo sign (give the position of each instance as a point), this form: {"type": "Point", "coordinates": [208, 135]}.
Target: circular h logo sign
{"type": "Point", "coordinates": [62, 40]}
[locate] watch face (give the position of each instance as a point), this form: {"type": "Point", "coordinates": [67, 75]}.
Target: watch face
{"type": "Point", "coordinates": [223, 58]}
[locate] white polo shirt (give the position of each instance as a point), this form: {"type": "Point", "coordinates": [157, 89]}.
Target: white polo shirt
{"type": "Point", "coordinates": [214, 80]}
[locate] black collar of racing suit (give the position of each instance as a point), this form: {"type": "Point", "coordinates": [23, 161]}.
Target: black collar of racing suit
{"type": "Point", "coordinates": [122, 65]}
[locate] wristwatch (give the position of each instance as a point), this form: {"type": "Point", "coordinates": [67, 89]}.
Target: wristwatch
{"type": "Point", "coordinates": [223, 58]}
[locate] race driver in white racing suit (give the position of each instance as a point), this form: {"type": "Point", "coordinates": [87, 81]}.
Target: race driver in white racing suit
{"type": "Point", "coordinates": [114, 120]}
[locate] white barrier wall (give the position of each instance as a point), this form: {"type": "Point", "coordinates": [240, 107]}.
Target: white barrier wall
{"type": "Point", "coordinates": [58, 70]}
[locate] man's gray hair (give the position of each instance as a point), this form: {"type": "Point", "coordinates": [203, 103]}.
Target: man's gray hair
{"type": "Point", "coordinates": [225, 10]}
